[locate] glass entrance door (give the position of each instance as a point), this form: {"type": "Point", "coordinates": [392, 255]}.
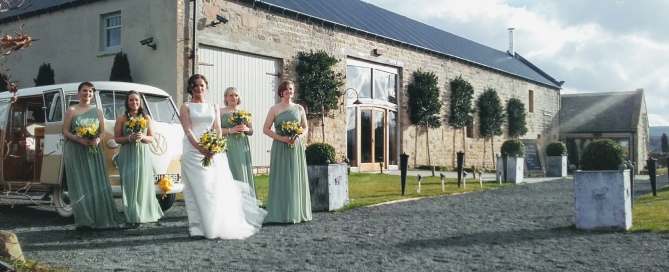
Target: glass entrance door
{"type": "Point", "coordinates": [372, 139]}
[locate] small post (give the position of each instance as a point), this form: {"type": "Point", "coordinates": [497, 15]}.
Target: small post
{"type": "Point", "coordinates": [505, 163]}
{"type": "Point", "coordinates": [461, 162]}
{"type": "Point", "coordinates": [481, 178]}
{"type": "Point", "coordinates": [381, 167]}
{"type": "Point", "coordinates": [651, 172]}
{"type": "Point", "coordinates": [404, 159]}
{"type": "Point", "coordinates": [464, 179]}
{"type": "Point", "coordinates": [419, 179]}
{"type": "Point", "coordinates": [442, 181]}
{"type": "Point", "coordinates": [630, 166]}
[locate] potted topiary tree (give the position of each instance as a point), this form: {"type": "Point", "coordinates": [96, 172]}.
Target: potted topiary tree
{"type": "Point", "coordinates": [514, 151]}
{"type": "Point", "coordinates": [602, 189]}
{"type": "Point", "coordinates": [328, 181]}
{"type": "Point", "coordinates": [556, 159]}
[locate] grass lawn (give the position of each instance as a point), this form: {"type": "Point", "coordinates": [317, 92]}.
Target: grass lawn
{"type": "Point", "coordinates": [650, 212]}
{"type": "Point", "coordinates": [369, 189]}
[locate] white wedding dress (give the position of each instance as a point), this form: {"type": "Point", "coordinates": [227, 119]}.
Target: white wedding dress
{"type": "Point", "coordinates": [217, 205]}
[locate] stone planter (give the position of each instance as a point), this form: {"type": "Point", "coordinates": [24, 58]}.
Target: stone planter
{"type": "Point", "coordinates": [556, 166]}
{"type": "Point", "coordinates": [328, 185]}
{"type": "Point", "coordinates": [514, 169]}
{"type": "Point", "coordinates": [602, 199]}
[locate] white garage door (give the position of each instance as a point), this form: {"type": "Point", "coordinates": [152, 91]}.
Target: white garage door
{"type": "Point", "coordinates": [256, 79]}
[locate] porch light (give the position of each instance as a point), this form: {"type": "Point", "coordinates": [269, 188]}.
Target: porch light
{"type": "Point", "coordinates": [357, 96]}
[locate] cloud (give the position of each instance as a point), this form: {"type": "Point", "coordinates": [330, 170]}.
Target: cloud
{"type": "Point", "coordinates": [594, 46]}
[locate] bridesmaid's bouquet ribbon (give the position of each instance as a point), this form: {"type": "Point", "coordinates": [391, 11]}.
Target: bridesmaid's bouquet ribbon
{"type": "Point", "coordinates": [165, 183]}
{"type": "Point", "coordinates": [292, 129]}
{"type": "Point", "coordinates": [88, 130]}
{"type": "Point", "coordinates": [211, 141]}
{"type": "Point", "coordinates": [136, 124]}
{"type": "Point", "coordinates": [239, 117]}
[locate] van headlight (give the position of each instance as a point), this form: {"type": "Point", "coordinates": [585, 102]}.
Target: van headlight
{"type": "Point", "coordinates": [115, 159]}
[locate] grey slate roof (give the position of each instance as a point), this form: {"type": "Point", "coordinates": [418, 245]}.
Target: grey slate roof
{"type": "Point", "coordinates": [372, 19]}
{"type": "Point", "coordinates": [600, 112]}
{"type": "Point", "coordinates": [367, 18]}
{"type": "Point", "coordinates": [36, 7]}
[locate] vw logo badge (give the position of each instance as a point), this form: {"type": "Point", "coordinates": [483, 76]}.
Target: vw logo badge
{"type": "Point", "coordinates": [159, 144]}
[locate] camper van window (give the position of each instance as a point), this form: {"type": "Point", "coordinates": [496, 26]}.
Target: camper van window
{"type": "Point", "coordinates": [113, 103]}
{"type": "Point", "coordinates": [73, 99]}
{"type": "Point", "coordinates": [54, 107]}
{"type": "Point", "coordinates": [161, 109]}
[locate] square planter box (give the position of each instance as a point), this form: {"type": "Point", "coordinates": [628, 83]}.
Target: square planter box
{"type": "Point", "coordinates": [514, 169]}
{"type": "Point", "coordinates": [603, 199]}
{"type": "Point", "coordinates": [556, 166]}
{"type": "Point", "coordinates": [328, 185]}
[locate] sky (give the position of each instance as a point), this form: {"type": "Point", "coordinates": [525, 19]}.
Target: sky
{"type": "Point", "coordinates": [594, 45]}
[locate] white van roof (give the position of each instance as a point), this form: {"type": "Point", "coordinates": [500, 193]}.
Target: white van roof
{"type": "Point", "coordinates": [99, 85]}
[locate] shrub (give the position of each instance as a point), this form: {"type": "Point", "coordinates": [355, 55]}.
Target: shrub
{"type": "Point", "coordinates": [513, 148]}
{"type": "Point", "coordinates": [319, 83]}
{"type": "Point", "coordinates": [120, 68]}
{"type": "Point", "coordinates": [556, 148]}
{"type": "Point", "coordinates": [45, 75]}
{"type": "Point", "coordinates": [602, 154]}
{"type": "Point", "coordinates": [320, 153]}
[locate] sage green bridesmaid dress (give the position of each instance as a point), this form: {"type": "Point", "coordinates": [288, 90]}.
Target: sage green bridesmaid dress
{"type": "Point", "coordinates": [289, 200]}
{"type": "Point", "coordinates": [239, 156]}
{"type": "Point", "coordinates": [87, 181]}
{"type": "Point", "coordinates": [139, 193]}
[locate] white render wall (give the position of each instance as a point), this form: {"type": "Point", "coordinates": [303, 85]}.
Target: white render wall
{"type": "Point", "coordinates": [70, 40]}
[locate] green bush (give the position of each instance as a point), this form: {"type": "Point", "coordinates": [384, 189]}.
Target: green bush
{"type": "Point", "coordinates": [320, 153]}
{"type": "Point", "coordinates": [556, 148]}
{"type": "Point", "coordinates": [602, 154]}
{"type": "Point", "coordinates": [513, 148]}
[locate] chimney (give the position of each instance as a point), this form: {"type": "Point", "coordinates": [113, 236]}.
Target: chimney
{"type": "Point", "coordinates": [511, 49]}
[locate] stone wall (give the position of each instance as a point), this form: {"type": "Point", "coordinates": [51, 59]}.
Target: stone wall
{"type": "Point", "coordinates": [270, 33]}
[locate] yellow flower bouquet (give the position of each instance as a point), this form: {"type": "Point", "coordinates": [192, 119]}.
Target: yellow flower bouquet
{"type": "Point", "coordinates": [292, 129]}
{"type": "Point", "coordinates": [136, 124]}
{"type": "Point", "coordinates": [240, 117]}
{"type": "Point", "coordinates": [212, 142]}
{"type": "Point", "coordinates": [89, 131]}
{"type": "Point", "coordinates": [165, 183]}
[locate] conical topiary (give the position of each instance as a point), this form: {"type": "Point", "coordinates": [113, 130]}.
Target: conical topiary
{"type": "Point", "coordinates": [121, 68]}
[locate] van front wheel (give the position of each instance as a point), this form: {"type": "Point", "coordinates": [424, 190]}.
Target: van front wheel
{"type": "Point", "coordinates": [61, 200]}
{"type": "Point", "coordinates": [167, 202]}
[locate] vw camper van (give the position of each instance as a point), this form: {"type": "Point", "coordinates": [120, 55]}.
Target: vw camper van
{"type": "Point", "coordinates": [32, 149]}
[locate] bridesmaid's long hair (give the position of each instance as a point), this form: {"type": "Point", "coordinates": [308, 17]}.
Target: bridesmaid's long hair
{"type": "Point", "coordinates": [140, 110]}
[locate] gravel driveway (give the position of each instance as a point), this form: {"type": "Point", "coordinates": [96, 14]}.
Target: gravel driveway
{"type": "Point", "coordinates": [519, 228]}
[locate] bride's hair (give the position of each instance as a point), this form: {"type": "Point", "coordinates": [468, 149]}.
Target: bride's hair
{"type": "Point", "coordinates": [140, 111]}
{"type": "Point", "coordinates": [191, 82]}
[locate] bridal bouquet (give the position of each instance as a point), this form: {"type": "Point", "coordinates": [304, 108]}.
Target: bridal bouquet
{"type": "Point", "coordinates": [88, 130]}
{"type": "Point", "coordinates": [136, 124]}
{"type": "Point", "coordinates": [292, 129]}
{"type": "Point", "coordinates": [239, 117]}
{"type": "Point", "coordinates": [166, 183]}
{"type": "Point", "coordinates": [212, 142]}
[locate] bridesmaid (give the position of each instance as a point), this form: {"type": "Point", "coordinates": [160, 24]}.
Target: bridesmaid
{"type": "Point", "coordinates": [289, 200]}
{"type": "Point", "coordinates": [87, 179]}
{"type": "Point", "coordinates": [134, 164]}
{"type": "Point", "coordinates": [239, 152]}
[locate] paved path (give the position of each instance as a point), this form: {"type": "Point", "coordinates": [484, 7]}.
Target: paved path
{"type": "Point", "coordinates": [527, 227]}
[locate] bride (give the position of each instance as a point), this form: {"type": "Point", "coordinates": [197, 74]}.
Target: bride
{"type": "Point", "coordinates": [217, 205]}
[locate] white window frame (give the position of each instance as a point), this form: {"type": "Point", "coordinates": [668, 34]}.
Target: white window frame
{"type": "Point", "coordinates": [106, 29]}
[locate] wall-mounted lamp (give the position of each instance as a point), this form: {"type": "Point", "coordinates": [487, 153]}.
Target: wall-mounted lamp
{"type": "Point", "coordinates": [220, 20]}
{"type": "Point", "coordinates": [148, 42]}
{"type": "Point", "coordinates": [357, 96]}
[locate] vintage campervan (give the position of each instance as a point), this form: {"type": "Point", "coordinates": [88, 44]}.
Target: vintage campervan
{"type": "Point", "coordinates": [32, 149]}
